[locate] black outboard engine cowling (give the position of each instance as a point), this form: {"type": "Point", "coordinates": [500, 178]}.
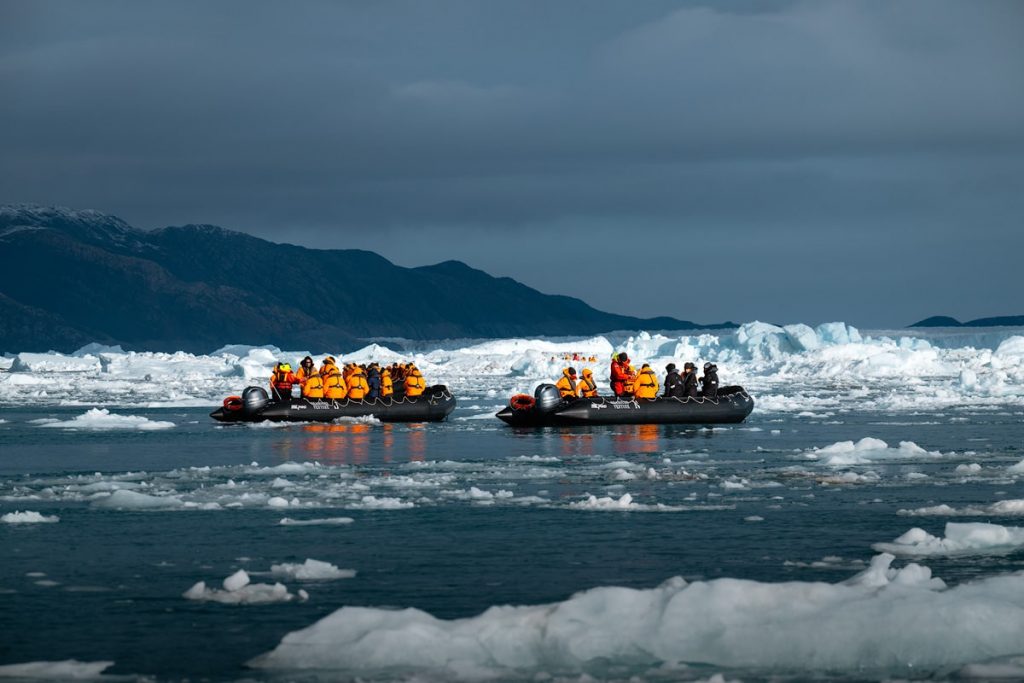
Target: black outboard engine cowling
{"type": "Point", "coordinates": [254, 399]}
{"type": "Point", "coordinates": [548, 398]}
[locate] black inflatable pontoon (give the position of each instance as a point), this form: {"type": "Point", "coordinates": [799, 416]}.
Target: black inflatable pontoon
{"type": "Point", "coordinates": [732, 405]}
{"type": "Point", "coordinates": [254, 405]}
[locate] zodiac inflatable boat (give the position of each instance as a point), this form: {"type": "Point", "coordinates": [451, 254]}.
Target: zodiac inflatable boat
{"type": "Point", "coordinates": [547, 408]}
{"type": "Point", "coordinates": [254, 405]}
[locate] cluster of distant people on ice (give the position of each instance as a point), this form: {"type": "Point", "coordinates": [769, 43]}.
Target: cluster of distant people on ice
{"type": "Point", "coordinates": [626, 382]}
{"type": "Point", "coordinates": [358, 382]}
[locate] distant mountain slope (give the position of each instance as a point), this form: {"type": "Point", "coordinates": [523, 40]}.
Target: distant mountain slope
{"type": "Point", "coordinates": [69, 277]}
{"type": "Point", "coordinates": [946, 321]}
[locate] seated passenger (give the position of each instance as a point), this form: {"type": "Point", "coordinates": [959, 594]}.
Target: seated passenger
{"type": "Point", "coordinates": [566, 384]}
{"type": "Point", "coordinates": [357, 386]}
{"type": "Point", "coordinates": [373, 383]}
{"type": "Point", "coordinates": [709, 382]}
{"type": "Point", "coordinates": [306, 369]}
{"type": "Point", "coordinates": [587, 385]}
{"type": "Point", "coordinates": [313, 385]}
{"type": "Point", "coordinates": [387, 388]}
{"type": "Point", "coordinates": [646, 384]}
{"type": "Point", "coordinates": [334, 384]}
{"type": "Point", "coordinates": [689, 380]}
{"type": "Point", "coordinates": [414, 384]}
{"type": "Point", "coordinates": [281, 382]}
{"type": "Point", "coordinates": [329, 360]}
{"type": "Point", "coordinates": [673, 383]}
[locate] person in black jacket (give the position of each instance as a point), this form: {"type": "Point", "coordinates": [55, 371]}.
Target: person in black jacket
{"type": "Point", "coordinates": [373, 381]}
{"type": "Point", "coordinates": [689, 380]}
{"type": "Point", "coordinates": [673, 384]}
{"type": "Point", "coordinates": [709, 382]}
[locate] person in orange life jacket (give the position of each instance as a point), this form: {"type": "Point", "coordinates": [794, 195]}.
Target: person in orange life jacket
{"type": "Point", "coordinates": [357, 386]}
{"type": "Point", "coordinates": [387, 387]}
{"type": "Point", "coordinates": [620, 377]}
{"type": "Point", "coordinates": [306, 369]}
{"type": "Point", "coordinates": [329, 360]}
{"type": "Point", "coordinates": [414, 384]}
{"type": "Point", "coordinates": [566, 384]}
{"type": "Point", "coordinates": [587, 385]}
{"type": "Point", "coordinates": [334, 384]}
{"type": "Point", "coordinates": [646, 384]}
{"type": "Point", "coordinates": [689, 380]}
{"type": "Point", "coordinates": [282, 380]}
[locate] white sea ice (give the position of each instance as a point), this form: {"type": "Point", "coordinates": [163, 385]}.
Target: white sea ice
{"type": "Point", "coordinates": [623, 503]}
{"type": "Point", "coordinates": [103, 419]}
{"type": "Point", "coordinates": [311, 570]}
{"type": "Point", "coordinates": [28, 517]}
{"type": "Point", "coordinates": [133, 500]}
{"type": "Point", "coordinates": [882, 620]}
{"type": "Point", "coordinates": [866, 451]}
{"type": "Point", "coordinates": [238, 590]}
{"type": "Point", "coordinates": [1002, 508]}
{"type": "Point", "coordinates": [960, 539]}
{"type": "Point", "coordinates": [322, 521]}
{"type": "Point", "coordinates": [67, 670]}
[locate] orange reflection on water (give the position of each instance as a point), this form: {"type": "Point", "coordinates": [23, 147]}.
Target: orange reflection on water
{"type": "Point", "coordinates": [636, 439]}
{"type": "Point", "coordinates": [417, 443]}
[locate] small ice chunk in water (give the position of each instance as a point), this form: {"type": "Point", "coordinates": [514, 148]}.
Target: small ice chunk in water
{"type": "Point", "coordinates": [28, 517]}
{"type": "Point", "coordinates": [239, 579]}
{"type": "Point", "coordinates": [68, 669]}
{"type": "Point", "coordinates": [311, 570]}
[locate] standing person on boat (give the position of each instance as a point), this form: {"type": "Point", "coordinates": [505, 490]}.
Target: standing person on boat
{"type": "Point", "coordinates": [709, 382]}
{"type": "Point", "coordinates": [414, 384]}
{"type": "Point", "coordinates": [689, 380]}
{"type": "Point", "coordinates": [646, 384]}
{"type": "Point", "coordinates": [620, 377]}
{"type": "Point", "coordinates": [281, 381]}
{"type": "Point", "coordinates": [673, 383]}
{"type": "Point", "coordinates": [334, 384]}
{"type": "Point", "coordinates": [566, 384]}
{"type": "Point", "coordinates": [587, 385]}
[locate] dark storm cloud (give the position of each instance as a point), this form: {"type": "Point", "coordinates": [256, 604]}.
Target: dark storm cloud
{"type": "Point", "coordinates": [841, 160]}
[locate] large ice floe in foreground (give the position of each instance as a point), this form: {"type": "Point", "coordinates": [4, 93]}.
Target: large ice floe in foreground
{"type": "Point", "coordinates": [790, 368]}
{"type": "Point", "coordinates": [883, 620]}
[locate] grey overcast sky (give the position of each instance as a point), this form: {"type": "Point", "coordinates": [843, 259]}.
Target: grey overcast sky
{"type": "Point", "coordinates": [782, 161]}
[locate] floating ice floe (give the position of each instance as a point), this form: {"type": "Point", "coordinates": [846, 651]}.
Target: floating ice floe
{"type": "Point", "coordinates": [103, 419]}
{"type": "Point", "coordinates": [238, 590]}
{"type": "Point", "coordinates": [322, 521]}
{"type": "Point", "coordinates": [882, 620]}
{"type": "Point", "coordinates": [867, 451]}
{"type": "Point", "coordinates": [960, 539]}
{"type": "Point", "coordinates": [311, 570]}
{"type": "Point", "coordinates": [28, 517]}
{"type": "Point", "coordinates": [1002, 508]}
{"type": "Point", "coordinates": [622, 503]}
{"type": "Point", "coordinates": [66, 670]}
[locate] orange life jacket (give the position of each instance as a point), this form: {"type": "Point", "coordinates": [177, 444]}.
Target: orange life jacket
{"type": "Point", "coordinates": [313, 387]}
{"type": "Point", "coordinates": [357, 385]}
{"type": "Point", "coordinates": [414, 385]}
{"type": "Point", "coordinates": [587, 386]}
{"type": "Point", "coordinates": [646, 384]}
{"type": "Point", "coordinates": [387, 387]}
{"type": "Point", "coordinates": [566, 385]}
{"type": "Point", "coordinates": [334, 383]}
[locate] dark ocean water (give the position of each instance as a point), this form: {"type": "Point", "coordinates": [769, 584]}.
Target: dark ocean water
{"type": "Point", "coordinates": [107, 584]}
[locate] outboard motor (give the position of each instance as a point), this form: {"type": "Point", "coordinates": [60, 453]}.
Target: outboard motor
{"type": "Point", "coordinates": [254, 399]}
{"type": "Point", "coordinates": [548, 398]}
